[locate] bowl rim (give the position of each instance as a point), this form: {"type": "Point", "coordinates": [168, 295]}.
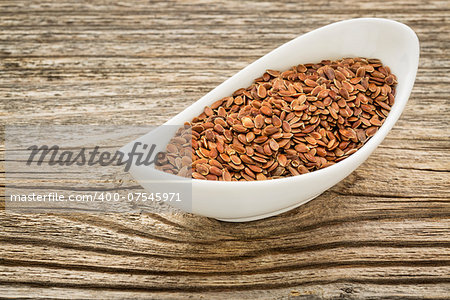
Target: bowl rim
{"type": "Point", "coordinates": [376, 139]}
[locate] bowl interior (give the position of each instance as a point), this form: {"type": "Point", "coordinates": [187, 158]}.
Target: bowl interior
{"type": "Point", "coordinates": [394, 43]}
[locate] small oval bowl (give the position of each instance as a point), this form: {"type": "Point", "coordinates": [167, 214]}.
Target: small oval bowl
{"type": "Point", "coordinates": [394, 43]}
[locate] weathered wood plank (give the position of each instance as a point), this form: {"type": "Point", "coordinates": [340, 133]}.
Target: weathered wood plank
{"type": "Point", "coordinates": [383, 232]}
{"type": "Point", "coordinates": [322, 291]}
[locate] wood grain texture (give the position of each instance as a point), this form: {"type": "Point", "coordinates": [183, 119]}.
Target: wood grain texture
{"type": "Point", "coordinates": [383, 232]}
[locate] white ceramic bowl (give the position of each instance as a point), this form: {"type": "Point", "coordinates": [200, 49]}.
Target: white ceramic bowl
{"type": "Point", "coordinates": [394, 43]}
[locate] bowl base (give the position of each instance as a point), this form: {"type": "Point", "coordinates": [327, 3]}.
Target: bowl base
{"type": "Point", "coordinates": [263, 216]}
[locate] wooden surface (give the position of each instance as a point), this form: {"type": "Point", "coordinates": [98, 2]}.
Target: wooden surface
{"type": "Point", "coordinates": [384, 232]}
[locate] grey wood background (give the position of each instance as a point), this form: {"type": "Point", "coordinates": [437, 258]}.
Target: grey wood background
{"type": "Point", "coordinates": [384, 232]}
